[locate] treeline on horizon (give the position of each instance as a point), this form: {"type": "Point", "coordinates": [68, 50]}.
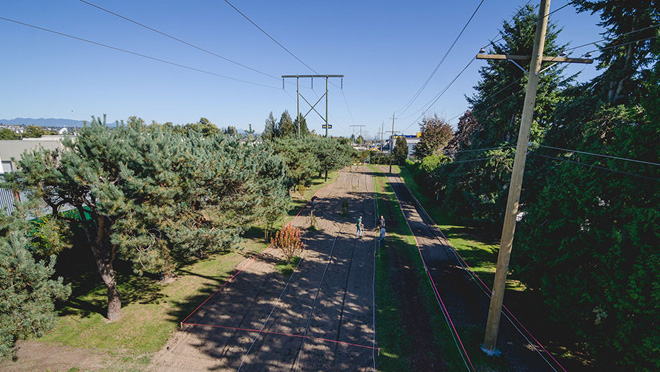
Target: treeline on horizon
{"type": "Point", "coordinates": [589, 231]}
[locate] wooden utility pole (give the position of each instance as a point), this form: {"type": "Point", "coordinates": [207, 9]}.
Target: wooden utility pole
{"type": "Point", "coordinates": [492, 326]}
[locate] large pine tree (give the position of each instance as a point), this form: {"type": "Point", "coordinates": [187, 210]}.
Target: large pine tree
{"type": "Point", "coordinates": [151, 195]}
{"type": "Point", "coordinates": [475, 184]}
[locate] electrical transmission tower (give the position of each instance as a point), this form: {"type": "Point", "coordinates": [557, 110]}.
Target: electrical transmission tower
{"type": "Point", "coordinates": [359, 131]}
{"type": "Point", "coordinates": [312, 106]}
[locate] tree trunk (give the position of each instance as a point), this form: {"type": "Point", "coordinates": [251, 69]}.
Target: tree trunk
{"type": "Point", "coordinates": [104, 257]}
{"type": "Point", "coordinates": [326, 174]}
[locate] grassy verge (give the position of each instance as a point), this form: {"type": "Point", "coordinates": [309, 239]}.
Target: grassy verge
{"type": "Point", "coordinates": [151, 310]}
{"type": "Point", "coordinates": [478, 251]}
{"type": "Point", "coordinates": [397, 350]}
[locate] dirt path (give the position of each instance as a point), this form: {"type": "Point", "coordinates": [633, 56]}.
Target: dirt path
{"type": "Point", "coordinates": [321, 318]}
{"type": "Point", "coordinates": [465, 302]}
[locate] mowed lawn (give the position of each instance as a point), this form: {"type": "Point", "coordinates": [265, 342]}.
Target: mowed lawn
{"type": "Point", "coordinates": [478, 251]}
{"type": "Point", "coordinates": [151, 309]}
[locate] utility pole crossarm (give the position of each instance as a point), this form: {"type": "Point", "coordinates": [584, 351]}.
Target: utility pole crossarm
{"type": "Point", "coordinates": [312, 107]}
{"type": "Point", "coordinates": [514, 57]}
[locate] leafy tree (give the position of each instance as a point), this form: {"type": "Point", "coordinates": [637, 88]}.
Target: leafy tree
{"type": "Point", "coordinates": [152, 196]}
{"type": "Point", "coordinates": [400, 151]}
{"type": "Point", "coordinates": [8, 134]}
{"type": "Point", "coordinates": [633, 25]}
{"type": "Point", "coordinates": [436, 134]}
{"type": "Point", "coordinates": [35, 131]}
{"type": "Point", "coordinates": [462, 139]}
{"type": "Point", "coordinates": [203, 126]}
{"type": "Point", "coordinates": [27, 292]}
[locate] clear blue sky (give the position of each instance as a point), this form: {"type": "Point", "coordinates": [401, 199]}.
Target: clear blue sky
{"type": "Point", "coordinates": [385, 49]}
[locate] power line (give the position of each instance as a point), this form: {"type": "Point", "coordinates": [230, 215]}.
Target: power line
{"type": "Point", "coordinates": [498, 32]}
{"type": "Point", "coordinates": [601, 155]}
{"type": "Point", "coordinates": [624, 34]}
{"type": "Point", "coordinates": [272, 38]}
{"type": "Point", "coordinates": [437, 97]}
{"type": "Point", "coordinates": [623, 44]}
{"type": "Point", "coordinates": [177, 39]}
{"type": "Point", "coordinates": [441, 61]}
{"type": "Point", "coordinates": [597, 167]}
{"type": "Point", "coordinates": [348, 108]}
{"type": "Point", "coordinates": [135, 53]}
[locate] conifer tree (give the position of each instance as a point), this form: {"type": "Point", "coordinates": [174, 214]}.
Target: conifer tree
{"type": "Point", "coordinates": [476, 189]}
{"type": "Point", "coordinates": [153, 196]}
{"type": "Point", "coordinates": [285, 127]}
{"type": "Point", "coordinates": [27, 292]}
{"type": "Point", "coordinates": [589, 241]}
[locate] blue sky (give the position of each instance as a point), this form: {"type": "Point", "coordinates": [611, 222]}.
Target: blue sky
{"type": "Point", "coordinates": [385, 48]}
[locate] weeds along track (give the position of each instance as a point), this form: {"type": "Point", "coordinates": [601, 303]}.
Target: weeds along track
{"type": "Point", "coordinates": [319, 318]}
{"type": "Point", "coordinates": [466, 302]}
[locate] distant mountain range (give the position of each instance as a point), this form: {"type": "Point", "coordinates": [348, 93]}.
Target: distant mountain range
{"type": "Point", "coordinates": [50, 122]}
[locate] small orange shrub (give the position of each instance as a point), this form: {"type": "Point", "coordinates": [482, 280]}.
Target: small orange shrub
{"type": "Point", "coordinates": [288, 241]}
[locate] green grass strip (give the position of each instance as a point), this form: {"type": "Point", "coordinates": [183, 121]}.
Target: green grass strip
{"type": "Point", "coordinates": [397, 350]}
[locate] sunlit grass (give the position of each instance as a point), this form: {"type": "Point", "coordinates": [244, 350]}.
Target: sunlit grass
{"type": "Point", "coordinates": [151, 310]}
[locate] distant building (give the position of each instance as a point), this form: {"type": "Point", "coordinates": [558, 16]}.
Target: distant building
{"type": "Point", "coordinates": [411, 140]}
{"type": "Point", "coordinates": [11, 150]}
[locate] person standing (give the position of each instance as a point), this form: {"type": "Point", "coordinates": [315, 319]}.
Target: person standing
{"type": "Point", "coordinates": [381, 222]}
{"type": "Point", "coordinates": [359, 226]}
{"type": "Point", "coordinates": [381, 237]}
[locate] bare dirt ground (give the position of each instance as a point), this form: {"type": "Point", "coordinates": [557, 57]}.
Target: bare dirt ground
{"type": "Point", "coordinates": [465, 302]}
{"type": "Point", "coordinates": [321, 318]}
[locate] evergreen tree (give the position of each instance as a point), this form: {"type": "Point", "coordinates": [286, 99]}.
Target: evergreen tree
{"type": "Point", "coordinates": [304, 130]}
{"type": "Point", "coordinates": [285, 127]}
{"type": "Point", "coordinates": [472, 189]}
{"type": "Point", "coordinates": [588, 242]}
{"type": "Point", "coordinates": [152, 196]}
{"type": "Point", "coordinates": [400, 152]}
{"type": "Point", "coordinates": [27, 292]}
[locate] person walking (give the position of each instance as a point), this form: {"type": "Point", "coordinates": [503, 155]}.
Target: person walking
{"type": "Point", "coordinates": [359, 226]}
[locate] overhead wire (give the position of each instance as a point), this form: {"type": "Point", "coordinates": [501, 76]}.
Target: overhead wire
{"type": "Point", "coordinates": [601, 155]}
{"type": "Point", "coordinates": [288, 51]}
{"type": "Point", "coordinates": [269, 36]}
{"type": "Point", "coordinates": [428, 79]}
{"type": "Point", "coordinates": [135, 53]}
{"type": "Point", "coordinates": [177, 39]}
{"type": "Point", "coordinates": [612, 46]}
{"type": "Point", "coordinates": [437, 97]}
{"type": "Point", "coordinates": [443, 91]}
{"type": "Point", "coordinates": [596, 167]}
